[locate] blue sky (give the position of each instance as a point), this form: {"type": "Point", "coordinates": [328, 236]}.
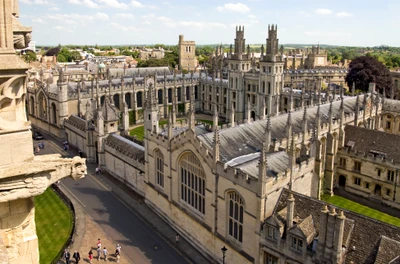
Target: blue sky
{"type": "Point", "coordinates": [112, 22]}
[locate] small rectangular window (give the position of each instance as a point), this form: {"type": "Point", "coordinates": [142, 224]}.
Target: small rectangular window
{"type": "Point", "coordinates": [378, 172]}
{"type": "Point", "coordinates": [390, 175]}
{"type": "Point", "coordinates": [388, 192]}
{"type": "Point", "coordinates": [357, 181]}
{"type": "Point", "coordinates": [357, 166]}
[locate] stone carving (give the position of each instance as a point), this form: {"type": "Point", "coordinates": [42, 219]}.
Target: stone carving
{"type": "Point", "coordinates": [21, 34]}
{"type": "Point", "coordinates": [32, 178]}
{"type": "Point", "coordinates": [12, 101]}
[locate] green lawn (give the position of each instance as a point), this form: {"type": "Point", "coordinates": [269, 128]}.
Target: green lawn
{"type": "Point", "coordinates": [139, 131]}
{"type": "Point", "coordinates": [361, 209]}
{"type": "Point", "coordinates": [53, 224]}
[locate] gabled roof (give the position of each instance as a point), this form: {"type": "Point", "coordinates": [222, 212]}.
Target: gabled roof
{"type": "Point", "coordinates": [126, 146]}
{"type": "Point", "coordinates": [366, 140]}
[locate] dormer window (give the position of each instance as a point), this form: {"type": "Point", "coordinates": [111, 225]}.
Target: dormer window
{"type": "Point", "coordinates": [272, 232]}
{"type": "Point", "coordinates": [297, 243]}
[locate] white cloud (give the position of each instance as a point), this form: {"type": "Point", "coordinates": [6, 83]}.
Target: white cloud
{"type": "Point", "coordinates": [149, 16]}
{"type": "Point", "coordinates": [252, 16]}
{"type": "Point", "coordinates": [113, 3]}
{"type": "Point", "coordinates": [36, 2]}
{"type": "Point", "coordinates": [123, 27]}
{"type": "Point", "coordinates": [60, 28]}
{"type": "Point", "coordinates": [38, 21]}
{"type": "Point", "coordinates": [323, 11]}
{"type": "Point", "coordinates": [168, 22]}
{"type": "Point", "coordinates": [124, 16]}
{"type": "Point", "coordinates": [239, 7]}
{"type": "Point", "coordinates": [54, 8]}
{"type": "Point", "coordinates": [343, 14]}
{"type": "Point", "coordinates": [138, 4]}
{"type": "Point", "coordinates": [102, 16]}
{"type": "Point", "coordinates": [327, 34]}
{"type": "Point", "coordinates": [201, 25]}
{"type": "Point", "coordinates": [146, 22]}
{"type": "Point", "coordinates": [88, 3]}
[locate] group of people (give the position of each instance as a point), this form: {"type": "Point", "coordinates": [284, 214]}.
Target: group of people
{"type": "Point", "coordinates": [103, 250]}
{"type": "Point", "coordinates": [66, 145]}
{"type": "Point", "coordinates": [67, 256]}
{"type": "Point", "coordinates": [39, 147]}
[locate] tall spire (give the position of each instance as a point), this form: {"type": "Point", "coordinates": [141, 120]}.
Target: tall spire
{"type": "Point", "coordinates": [330, 115]}
{"type": "Point", "coordinates": [262, 163]}
{"type": "Point", "coordinates": [191, 116]}
{"type": "Point", "coordinates": [289, 130]}
{"type": "Point", "coordinates": [170, 125]}
{"type": "Point", "coordinates": [356, 110]}
{"type": "Point", "coordinates": [216, 145]}
{"type": "Point", "coordinates": [268, 133]}
{"type": "Point", "coordinates": [304, 121]}
{"type": "Point", "coordinates": [318, 119]}
{"type": "Point", "coordinates": [215, 117]}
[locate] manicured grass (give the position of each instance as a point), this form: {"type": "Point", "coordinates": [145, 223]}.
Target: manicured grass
{"type": "Point", "coordinates": [210, 122]}
{"type": "Point", "coordinates": [361, 209]}
{"type": "Point", "coordinates": [139, 131]}
{"type": "Point", "coordinates": [53, 224]}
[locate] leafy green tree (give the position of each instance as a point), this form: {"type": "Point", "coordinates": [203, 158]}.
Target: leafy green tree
{"type": "Point", "coordinates": [29, 56]}
{"type": "Point", "coordinates": [366, 69]}
{"type": "Point", "coordinates": [75, 55]}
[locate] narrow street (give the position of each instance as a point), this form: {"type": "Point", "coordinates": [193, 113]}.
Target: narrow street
{"type": "Point", "coordinates": [140, 242]}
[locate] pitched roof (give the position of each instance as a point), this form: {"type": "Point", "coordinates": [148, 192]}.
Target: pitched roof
{"type": "Point", "coordinates": [366, 140]}
{"type": "Point", "coordinates": [126, 146]}
{"type": "Point", "coordinates": [246, 139]}
{"type": "Point", "coordinates": [388, 251]}
{"type": "Point", "coordinates": [362, 232]}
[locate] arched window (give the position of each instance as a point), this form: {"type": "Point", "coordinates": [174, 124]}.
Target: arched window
{"type": "Point", "coordinates": [160, 96]}
{"type": "Point", "coordinates": [192, 182]}
{"type": "Point", "coordinates": [42, 106]}
{"type": "Point", "coordinates": [178, 92]}
{"type": "Point", "coordinates": [53, 114]}
{"type": "Point", "coordinates": [159, 158]}
{"type": "Point", "coordinates": [128, 100]}
{"type": "Point", "coordinates": [32, 106]}
{"type": "Point", "coordinates": [236, 208]}
{"type": "Point", "coordinates": [116, 100]}
{"type": "Point", "coordinates": [169, 95]}
{"type": "Point", "coordinates": [139, 99]}
{"type": "Point", "coordinates": [187, 93]}
{"type": "Point", "coordinates": [102, 99]}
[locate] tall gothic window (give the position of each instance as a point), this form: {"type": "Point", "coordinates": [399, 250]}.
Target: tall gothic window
{"type": "Point", "coordinates": [159, 168]}
{"type": "Point", "coordinates": [192, 182]}
{"type": "Point", "coordinates": [236, 209]}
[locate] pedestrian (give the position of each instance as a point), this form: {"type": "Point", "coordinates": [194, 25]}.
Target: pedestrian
{"type": "Point", "coordinates": [98, 251]}
{"type": "Point", "coordinates": [105, 253]}
{"type": "Point", "coordinates": [67, 256]}
{"type": "Point", "coordinates": [118, 249]}
{"type": "Point", "coordinates": [97, 170]}
{"type": "Point", "coordinates": [90, 256]}
{"type": "Point", "coordinates": [76, 256]}
{"type": "Point", "coordinates": [98, 243]}
{"type": "Point", "coordinates": [177, 239]}
{"type": "Point", "coordinates": [37, 150]}
{"type": "Point", "coordinates": [80, 153]}
{"type": "Point", "coordinates": [118, 255]}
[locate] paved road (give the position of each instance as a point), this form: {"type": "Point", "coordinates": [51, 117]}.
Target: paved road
{"type": "Point", "coordinates": [140, 243]}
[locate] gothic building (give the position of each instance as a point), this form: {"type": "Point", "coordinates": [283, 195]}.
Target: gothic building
{"type": "Point", "coordinates": [228, 185]}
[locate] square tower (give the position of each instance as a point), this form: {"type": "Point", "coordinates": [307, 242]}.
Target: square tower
{"type": "Point", "coordinates": [187, 56]}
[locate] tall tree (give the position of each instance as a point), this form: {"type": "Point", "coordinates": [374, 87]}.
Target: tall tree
{"type": "Point", "coordinates": [364, 70]}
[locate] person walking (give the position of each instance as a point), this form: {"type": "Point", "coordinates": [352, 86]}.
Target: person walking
{"type": "Point", "coordinates": [105, 253]}
{"type": "Point", "coordinates": [177, 240]}
{"type": "Point", "coordinates": [118, 255]}
{"type": "Point", "coordinates": [67, 256]}
{"type": "Point", "coordinates": [98, 249]}
{"type": "Point", "coordinates": [90, 256]}
{"type": "Point", "coordinates": [118, 248]}
{"type": "Point", "coordinates": [77, 257]}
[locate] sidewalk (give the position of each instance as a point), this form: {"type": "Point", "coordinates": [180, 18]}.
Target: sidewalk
{"type": "Point", "coordinates": [85, 226]}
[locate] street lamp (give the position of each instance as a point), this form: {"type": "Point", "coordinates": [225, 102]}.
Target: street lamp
{"type": "Point", "coordinates": [224, 249]}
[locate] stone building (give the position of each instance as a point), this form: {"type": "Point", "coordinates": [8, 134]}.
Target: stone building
{"type": "Point", "coordinates": [187, 54]}
{"type": "Point", "coordinates": [153, 53]}
{"type": "Point", "coordinates": [215, 185]}
{"type": "Point", "coordinates": [370, 169]}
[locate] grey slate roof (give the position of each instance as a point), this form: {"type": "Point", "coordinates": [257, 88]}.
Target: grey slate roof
{"type": "Point", "coordinates": [125, 146]}
{"type": "Point", "coordinates": [140, 71]}
{"type": "Point", "coordinates": [388, 251]}
{"type": "Point", "coordinates": [365, 236]}
{"type": "Point", "coordinates": [276, 162]}
{"type": "Point", "coordinates": [391, 105]}
{"type": "Point", "coordinates": [246, 139]}
{"type": "Point", "coordinates": [76, 122]}
{"type": "Point", "coordinates": [366, 140]}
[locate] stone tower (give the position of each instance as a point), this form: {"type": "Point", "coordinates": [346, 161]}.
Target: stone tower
{"type": "Point", "coordinates": [187, 56]}
{"type": "Point", "coordinates": [22, 175]}
{"type": "Point", "coordinates": [62, 94]}
{"type": "Point", "coordinates": [240, 41]}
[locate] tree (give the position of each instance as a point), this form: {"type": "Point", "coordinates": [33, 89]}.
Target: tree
{"type": "Point", "coordinates": [364, 70]}
{"type": "Point", "coordinates": [29, 56]}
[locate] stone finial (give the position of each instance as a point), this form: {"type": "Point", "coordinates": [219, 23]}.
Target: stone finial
{"type": "Point", "coordinates": [341, 215]}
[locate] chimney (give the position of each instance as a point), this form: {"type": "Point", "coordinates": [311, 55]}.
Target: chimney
{"type": "Point", "coordinates": [323, 221]}
{"type": "Point", "coordinates": [290, 211]}
{"type": "Point", "coordinates": [338, 240]}
{"type": "Point", "coordinates": [330, 233]}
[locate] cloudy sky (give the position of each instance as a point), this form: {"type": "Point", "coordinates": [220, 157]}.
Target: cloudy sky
{"type": "Point", "coordinates": [112, 22]}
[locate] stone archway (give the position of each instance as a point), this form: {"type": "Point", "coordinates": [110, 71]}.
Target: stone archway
{"type": "Point", "coordinates": [253, 115]}
{"type": "Point", "coordinates": [342, 181]}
